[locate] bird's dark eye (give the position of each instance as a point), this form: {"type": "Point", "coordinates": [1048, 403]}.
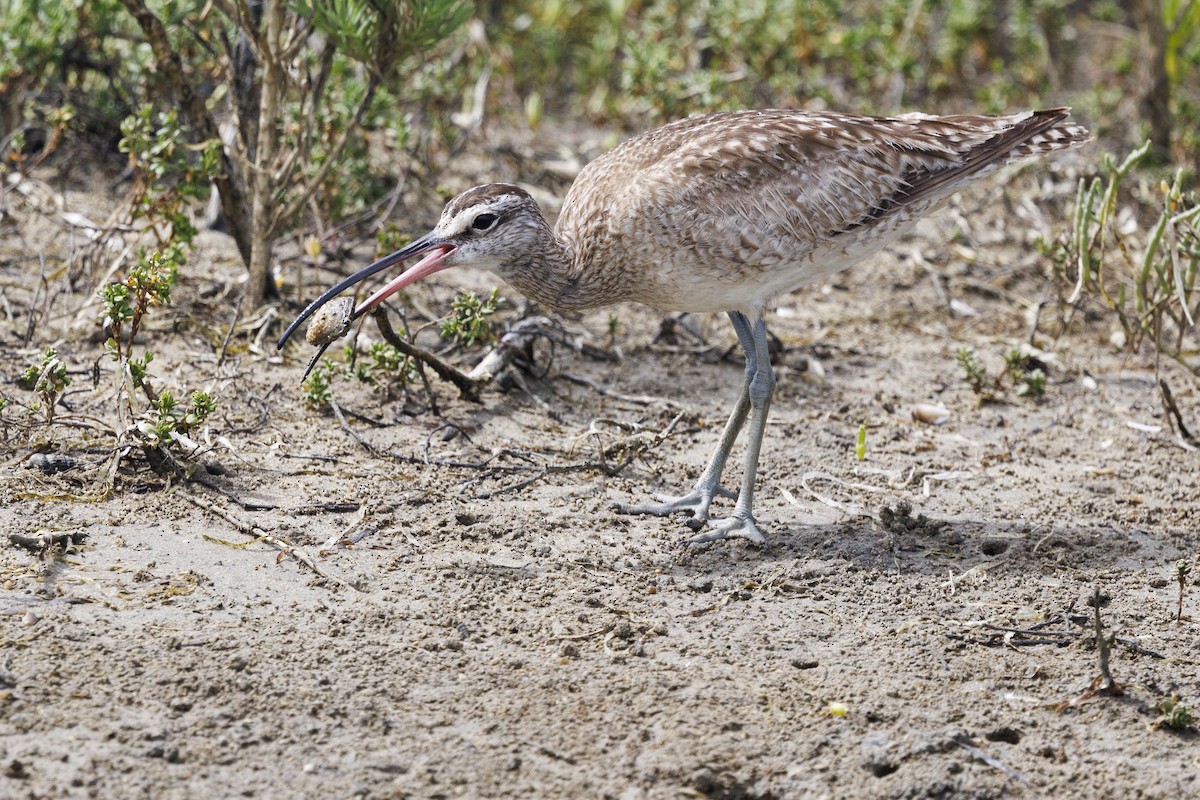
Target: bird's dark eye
{"type": "Point", "coordinates": [484, 221]}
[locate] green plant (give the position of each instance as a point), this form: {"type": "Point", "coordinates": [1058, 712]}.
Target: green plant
{"type": "Point", "coordinates": [318, 386]}
{"type": "Point", "coordinates": [613, 325]}
{"type": "Point", "coordinates": [1022, 372]}
{"type": "Point", "coordinates": [126, 303]}
{"type": "Point", "coordinates": [470, 322]}
{"type": "Point", "coordinates": [974, 373]}
{"type": "Point", "coordinates": [1168, 100]}
{"type": "Point", "coordinates": [304, 85]}
{"type": "Point", "coordinates": [860, 443]}
{"type": "Point", "coordinates": [71, 56]}
{"type": "Point", "coordinates": [168, 177]}
{"type": "Point", "coordinates": [383, 363]}
{"type": "Point", "coordinates": [167, 422]}
{"type": "Point", "coordinates": [1173, 715]}
{"type": "Point", "coordinates": [49, 379]}
{"type": "Point", "coordinates": [1033, 384]}
{"type": "Point", "coordinates": [1152, 293]}
{"type": "Point", "coordinates": [667, 58]}
{"type": "Point", "coordinates": [389, 239]}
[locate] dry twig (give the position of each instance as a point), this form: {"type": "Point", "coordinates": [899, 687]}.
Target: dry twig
{"type": "Point", "coordinates": [285, 548]}
{"type": "Point", "coordinates": [1104, 683]}
{"type": "Point", "coordinates": [468, 387]}
{"type": "Point", "coordinates": [992, 761]}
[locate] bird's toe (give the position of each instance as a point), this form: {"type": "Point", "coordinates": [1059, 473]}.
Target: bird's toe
{"type": "Point", "coordinates": [695, 504]}
{"type": "Point", "coordinates": [735, 527]}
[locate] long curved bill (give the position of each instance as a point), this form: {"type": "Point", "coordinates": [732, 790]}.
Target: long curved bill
{"type": "Point", "coordinates": [432, 247]}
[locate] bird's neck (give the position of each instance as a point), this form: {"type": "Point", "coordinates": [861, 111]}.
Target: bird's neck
{"type": "Point", "coordinates": [553, 274]}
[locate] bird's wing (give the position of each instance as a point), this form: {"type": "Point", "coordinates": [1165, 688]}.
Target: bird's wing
{"type": "Point", "coordinates": [732, 197]}
{"type": "Point", "coordinates": [801, 179]}
{"type": "Point", "coordinates": [821, 175]}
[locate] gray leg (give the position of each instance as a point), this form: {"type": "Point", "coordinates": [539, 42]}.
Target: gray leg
{"type": "Point", "coordinates": [755, 397]}
{"type": "Point", "coordinates": [708, 486]}
{"type": "Point", "coordinates": [760, 387]}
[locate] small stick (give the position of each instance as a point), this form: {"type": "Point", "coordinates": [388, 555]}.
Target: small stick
{"type": "Point", "coordinates": [557, 755]}
{"type": "Point", "coordinates": [1185, 436]}
{"type": "Point", "coordinates": [514, 341]}
{"type": "Point", "coordinates": [31, 322]}
{"type": "Point", "coordinates": [1107, 686]}
{"type": "Point", "coordinates": [285, 548]}
{"type": "Point", "coordinates": [1182, 568]}
{"type": "Point", "coordinates": [638, 399]}
{"type": "Point", "coordinates": [993, 762]}
{"type": "Point", "coordinates": [467, 387]}
{"type": "Point", "coordinates": [337, 412]}
{"type": "Point", "coordinates": [420, 365]}
{"type": "Point", "coordinates": [237, 313]}
{"type": "Point", "coordinates": [433, 404]}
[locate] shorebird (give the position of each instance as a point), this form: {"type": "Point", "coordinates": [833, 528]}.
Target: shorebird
{"type": "Point", "coordinates": [718, 212]}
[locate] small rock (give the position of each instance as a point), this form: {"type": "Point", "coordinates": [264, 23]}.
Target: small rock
{"type": "Point", "coordinates": [51, 463]}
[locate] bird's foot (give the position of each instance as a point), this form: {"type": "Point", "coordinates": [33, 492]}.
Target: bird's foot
{"type": "Point", "coordinates": [695, 503]}
{"type": "Point", "coordinates": [735, 527]}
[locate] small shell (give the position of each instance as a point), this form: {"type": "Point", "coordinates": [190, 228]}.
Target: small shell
{"type": "Point", "coordinates": [930, 414]}
{"type": "Point", "coordinates": [330, 321]}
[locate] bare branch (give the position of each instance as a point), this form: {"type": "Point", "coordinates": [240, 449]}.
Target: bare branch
{"type": "Point", "coordinates": [468, 388]}
{"type": "Point", "coordinates": [170, 65]}
{"type": "Point", "coordinates": [331, 159]}
{"type": "Point", "coordinates": [309, 99]}
{"type": "Point", "coordinates": [262, 190]}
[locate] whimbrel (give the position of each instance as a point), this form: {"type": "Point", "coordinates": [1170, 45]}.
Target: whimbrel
{"type": "Point", "coordinates": [721, 212]}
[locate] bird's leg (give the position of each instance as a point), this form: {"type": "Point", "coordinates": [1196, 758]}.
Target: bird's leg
{"type": "Point", "coordinates": [697, 501]}
{"type": "Point", "coordinates": [740, 524]}
{"type": "Point", "coordinates": [708, 486]}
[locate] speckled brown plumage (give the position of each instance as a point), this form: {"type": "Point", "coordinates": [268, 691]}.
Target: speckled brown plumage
{"type": "Point", "coordinates": [723, 212]}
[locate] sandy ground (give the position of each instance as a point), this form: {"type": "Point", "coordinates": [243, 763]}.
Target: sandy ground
{"type": "Point", "coordinates": [481, 623]}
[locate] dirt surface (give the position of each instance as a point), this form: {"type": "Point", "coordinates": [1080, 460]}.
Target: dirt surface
{"type": "Point", "coordinates": [480, 623]}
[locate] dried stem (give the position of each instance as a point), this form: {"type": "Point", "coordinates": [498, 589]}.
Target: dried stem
{"type": "Point", "coordinates": [1107, 685]}
{"type": "Point", "coordinates": [170, 66]}
{"type": "Point", "coordinates": [467, 387]}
